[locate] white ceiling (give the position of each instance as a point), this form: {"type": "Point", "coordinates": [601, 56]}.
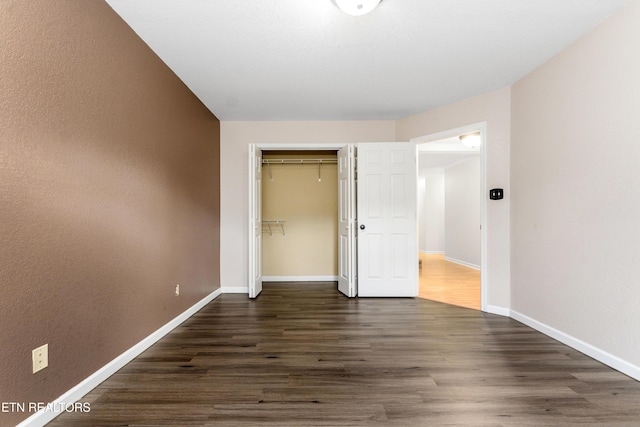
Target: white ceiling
{"type": "Point", "coordinates": [306, 60]}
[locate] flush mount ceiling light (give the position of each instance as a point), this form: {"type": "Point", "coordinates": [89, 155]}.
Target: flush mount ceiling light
{"type": "Point", "coordinates": [357, 7]}
{"type": "Point", "coordinates": [471, 140]}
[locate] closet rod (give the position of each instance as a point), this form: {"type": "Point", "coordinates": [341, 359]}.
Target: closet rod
{"type": "Point", "coordinates": [297, 161]}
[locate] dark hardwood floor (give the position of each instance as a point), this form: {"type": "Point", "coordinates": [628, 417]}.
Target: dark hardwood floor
{"type": "Point", "coordinates": [306, 355]}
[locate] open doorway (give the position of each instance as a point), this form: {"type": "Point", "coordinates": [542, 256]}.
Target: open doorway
{"type": "Point", "coordinates": [451, 215]}
{"type": "Point", "coordinates": [313, 162]}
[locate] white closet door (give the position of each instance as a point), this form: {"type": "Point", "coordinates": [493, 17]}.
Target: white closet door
{"type": "Point", "coordinates": [346, 222]}
{"type": "Point", "coordinates": [387, 219]}
{"type": "Point", "coordinates": [255, 221]}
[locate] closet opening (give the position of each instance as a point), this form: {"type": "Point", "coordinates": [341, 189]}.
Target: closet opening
{"type": "Point", "coordinates": [299, 210]}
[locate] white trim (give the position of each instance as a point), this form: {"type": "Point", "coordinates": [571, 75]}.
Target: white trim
{"type": "Point", "coordinates": [299, 278]}
{"type": "Point", "coordinates": [432, 252]}
{"type": "Point", "coordinates": [500, 311]}
{"type": "Point", "coordinates": [484, 282]}
{"type": "Point", "coordinates": [42, 417]}
{"type": "Point", "coordinates": [235, 289]}
{"type": "Point", "coordinates": [482, 128]}
{"type": "Point", "coordinates": [600, 355]}
{"type": "Point", "coordinates": [463, 263]}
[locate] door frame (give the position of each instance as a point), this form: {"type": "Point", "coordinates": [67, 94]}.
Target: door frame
{"type": "Point", "coordinates": [482, 128]}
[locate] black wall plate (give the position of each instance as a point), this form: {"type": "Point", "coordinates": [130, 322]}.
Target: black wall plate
{"type": "Point", "coordinates": [496, 194]}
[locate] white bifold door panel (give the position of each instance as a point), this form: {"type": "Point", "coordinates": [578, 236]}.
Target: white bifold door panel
{"type": "Point", "coordinates": [255, 221]}
{"type": "Point", "coordinates": [346, 222]}
{"type": "Point", "coordinates": [387, 244]}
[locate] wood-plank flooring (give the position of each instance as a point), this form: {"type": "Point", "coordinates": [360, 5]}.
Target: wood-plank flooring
{"type": "Point", "coordinates": [305, 355]}
{"type": "Point", "coordinates": [448, 282]}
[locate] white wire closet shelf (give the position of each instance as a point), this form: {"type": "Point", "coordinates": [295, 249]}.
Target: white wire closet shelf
{"type": "Point", "coordinates": [318, 162]}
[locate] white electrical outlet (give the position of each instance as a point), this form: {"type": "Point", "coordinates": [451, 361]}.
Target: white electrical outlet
{"type": "Point", "coordinates": [177, 290]}
{"type": "Point", "coordinates": [40, 358]}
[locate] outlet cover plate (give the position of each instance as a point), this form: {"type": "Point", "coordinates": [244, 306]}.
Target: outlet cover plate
{"type": "Point", "coordinates": [40, 358]}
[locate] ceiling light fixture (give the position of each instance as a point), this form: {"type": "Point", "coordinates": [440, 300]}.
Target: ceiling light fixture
{"type": "Point", "coordinates": [471, 140]}
{"type": "Point", "coordinates": [357, 7]}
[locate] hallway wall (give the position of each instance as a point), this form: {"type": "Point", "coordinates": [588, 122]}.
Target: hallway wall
{"type": "Point", "coordinates": [431, 211]}
{"type": "Point", "coordinates": [462, 213]}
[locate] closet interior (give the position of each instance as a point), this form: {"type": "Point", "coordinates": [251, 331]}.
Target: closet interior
{"type": "Point", "coordinates": [299, 215]}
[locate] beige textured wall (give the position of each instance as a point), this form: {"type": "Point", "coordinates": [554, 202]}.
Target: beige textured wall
{"type": "Point", "coordinates": [576, 204]}
{"type": "Point", "coordinates": [310, 208]}
{"type": "Point", "coordinates": [234, 140]}
{"type": "Point", "coordinates": [109, 194]}
{"type": "Point", "coordinates": [494, 108]}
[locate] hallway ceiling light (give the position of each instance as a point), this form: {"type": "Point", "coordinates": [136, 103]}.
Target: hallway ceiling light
{"type": "Point", "coordinates": [357, 7]}
{"type": "Point", "coordinates": [471, 140]}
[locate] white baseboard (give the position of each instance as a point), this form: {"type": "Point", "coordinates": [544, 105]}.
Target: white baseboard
{"type": "Point", "coordinates": [600, 355]}
{"type": "Point", "coordinates": [299, 278]}
{"type": "Point", "coordinates": [235, 289]}
{"type": "Point", "coordinates": [42, 417]}
{"type": "Point", "coordinates": [466, 264]}
{"type": "Point", "coordinates": [500, 311]}
{"type": "Point", "coordinates": [432, 252]}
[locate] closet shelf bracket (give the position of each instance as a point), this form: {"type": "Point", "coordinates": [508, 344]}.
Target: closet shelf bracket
{"type": "Point", "coordinates": [271, 224]}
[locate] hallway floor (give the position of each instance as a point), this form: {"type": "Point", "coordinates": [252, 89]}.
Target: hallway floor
{"type": "Point", "coordinates": [448, 282]}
